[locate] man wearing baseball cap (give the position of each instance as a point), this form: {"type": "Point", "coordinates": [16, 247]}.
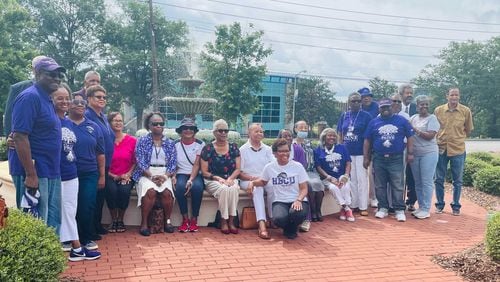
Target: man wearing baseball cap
{"type": "Point", "coordinates": [384, 137]}
{"type": "Point", "coordinates": [37, 137]}
{"type": "Point", "coordinates": [367, 103]}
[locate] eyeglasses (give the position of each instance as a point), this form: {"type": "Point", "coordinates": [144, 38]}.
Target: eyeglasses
{"type": "Point", "coordinates": [355, 101]}
{"type": "Point", "coordinates": [79, 102]}
{"type": "Point", "coordinates": [283, 151]}
{"type": "Point", "coordinates": [192, 128]}
{"type": "Point", "coordinates": [117, 121]}
{"type": "Point", "coordinates": [222, 130]}
{"type": "Point", "coordinates": [160, 123]}
{"type": "Point", "coordinates": [100, 97]}
{"type": "Point", "coordinates": [396, 101]}
{"type": "Point", "coordinates": [54, 74]}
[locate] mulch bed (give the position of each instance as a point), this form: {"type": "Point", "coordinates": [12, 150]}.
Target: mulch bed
{"type": "Point", "coordinates": [473, 264]}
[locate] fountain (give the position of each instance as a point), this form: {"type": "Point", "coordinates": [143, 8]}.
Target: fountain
{"type": "Point", "coordinates": [189, 105]}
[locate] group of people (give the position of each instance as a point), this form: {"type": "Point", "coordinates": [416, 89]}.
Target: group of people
{"type": "Point", "coordinates": [67, 150]}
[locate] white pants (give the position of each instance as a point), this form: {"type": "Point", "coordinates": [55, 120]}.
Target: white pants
{"type": "Point", "coordinates": [227, 196]}
{"type": "Point", "coordinates": [359, 183]}
{"type": "Point", "coordinates": [69, 202]}
{"type": "Point", "coordinates": [258, 200]}
{"type": "Point", "coordinates": [343, 195]}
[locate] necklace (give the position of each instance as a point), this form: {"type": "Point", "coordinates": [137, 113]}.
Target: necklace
{"type": "Point", "coordinates": [351, 122]}
{"type": "Point", "coordinates": [157, 146]}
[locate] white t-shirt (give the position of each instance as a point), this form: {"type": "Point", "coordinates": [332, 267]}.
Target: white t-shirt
{"type": "Point", "coordinates": [192, 150]}
{"type": "Point", "coordinates": [420, 145]}
{"type": "Point", "coordinates": [284, 180]}
{"type": "Point", "coordinates": [253, 162]}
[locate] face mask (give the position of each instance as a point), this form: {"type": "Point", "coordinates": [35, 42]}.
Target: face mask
{"type": "Point", "coordinates": [302, 134]}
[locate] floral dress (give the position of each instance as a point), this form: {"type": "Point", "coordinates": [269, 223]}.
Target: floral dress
{"type": "Point", "coordinates": [220, 165]}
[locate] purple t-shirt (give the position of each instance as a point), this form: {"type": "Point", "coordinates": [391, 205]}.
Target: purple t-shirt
{"type": "Point", "coordinates": [387, 134]}
{"type": "Point", "coordinates": [90, 144]}
{"type": "Point", "coordinates": [68, 156]}
{"type": "Point", "coordinates": [353, 127]}
{"type": "Point", "coordinates": [372, 109]}
{"type": "Point", "coordinates": [334, 163]}
{"type": "Point", "coordinates": [33, 114]}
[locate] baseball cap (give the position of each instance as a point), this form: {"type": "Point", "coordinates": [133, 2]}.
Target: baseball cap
{"type": "Point", "coordinates": [365, 91]}
{"type": "Point", "coordinates": [384, 102]}
{"type": "Point", "coordinates": [48, 64]}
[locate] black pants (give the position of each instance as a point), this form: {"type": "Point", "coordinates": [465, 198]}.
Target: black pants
{"type": "Point", "coordinates": [100, 197]}
{"type": "Point", "coordinates": [287, 218]}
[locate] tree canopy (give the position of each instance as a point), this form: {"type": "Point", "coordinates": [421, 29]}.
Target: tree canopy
{"type": "Point", "coordinates": [233, 67]}
{"type": "Point", "coordinates": [381, 88]}
{"type": "Point", "coordinates": [473, 67]}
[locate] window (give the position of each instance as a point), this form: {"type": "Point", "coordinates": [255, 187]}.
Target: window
{"type": "Point", "coordinates": [207, 117]}
{"type": "Point", "coordinates": [170, 113]}
{"type": "Point", "coordinates": [269, 111]}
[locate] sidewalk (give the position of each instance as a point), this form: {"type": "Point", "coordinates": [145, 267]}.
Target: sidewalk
{"type": "Point", "coordinates": [368, 250]}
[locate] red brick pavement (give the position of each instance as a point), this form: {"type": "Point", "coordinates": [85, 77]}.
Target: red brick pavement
{"type": "Point", "coordinates": [368, 250]}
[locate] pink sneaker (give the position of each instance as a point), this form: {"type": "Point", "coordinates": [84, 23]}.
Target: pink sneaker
{"type": "Point", "coordinates": [193, 226]}
{"type": "Point", "coordinates": [185, 226]}
{"type": "Point", "coordinates": [349, 215]}
{"type": "Point", "coordinates": [342, 214]}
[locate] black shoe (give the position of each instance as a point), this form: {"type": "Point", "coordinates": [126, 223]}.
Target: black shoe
{"type": "Point", "coordinates": [145, 232]}
{"type": "Point", "coordinates": [392, 211]}
{"type": "Point", "coordinates": [291, 235]}
{"type": "Point", "coordinates": [96, 237]}
{"type": "Point", "coordinates": [169, 228]}
{"type": "Point", "coordinates": [101, 231]}
{"type": "Point", "coordinates": [411, 208]}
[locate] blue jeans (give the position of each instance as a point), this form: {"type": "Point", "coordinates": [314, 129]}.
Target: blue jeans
{"type": "Point", "coordinates": [49, 204]}
{"type": "Point", "coordinates": [117, 194]}
{"type": "Point", "coordinates": [388, 173]}
{"type": "Point", "coordinates": [85, 212]}
{"type": "Point", "coordinates": [287, 218]}
{"type": "Point", "coordinates": [457, 171]}
{"type": "Point", "coordinates": [423, 168]}
{"type": "Point", "coordinates": [196, 193]}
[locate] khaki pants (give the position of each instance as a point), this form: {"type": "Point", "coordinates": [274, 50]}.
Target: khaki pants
{"type": "Point", "coordinates": [227, 196]}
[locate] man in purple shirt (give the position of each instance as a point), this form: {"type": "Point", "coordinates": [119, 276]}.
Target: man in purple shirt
{"type": "Point", "coordinates": [385, 138]}
{"type": "Point", "coordinates": [37, 136]}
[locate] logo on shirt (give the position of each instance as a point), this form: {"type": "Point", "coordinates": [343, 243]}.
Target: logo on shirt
{"type": "Point", "coordinates": [388, 133]}
{"type": "Point", "coordinates": [283, 179]}
{"type": "Point", "coordinates": [90, 129]}
{"type": "Point", "coordinates": [68, 140]}
{"type": "Point", "coordinates": [333, 160]}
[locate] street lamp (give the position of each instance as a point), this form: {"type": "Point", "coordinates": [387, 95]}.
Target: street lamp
{"type": "Point", "coordinates": [295, 95]}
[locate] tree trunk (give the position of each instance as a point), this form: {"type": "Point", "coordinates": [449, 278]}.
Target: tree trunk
{"type": "Point", "coordinates": [139, 112]}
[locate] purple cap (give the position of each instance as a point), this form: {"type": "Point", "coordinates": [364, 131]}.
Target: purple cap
{"type": "Point", "coordinates": [384, 102]}
{"type": "Point", "coordinates": [48, 64]}
{"type": "Point", "coordinates": [365, 91]}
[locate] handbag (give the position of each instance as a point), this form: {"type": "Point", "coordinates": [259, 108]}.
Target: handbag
{"type": "Point", "coordinates": [156, 218]}
{"type": "Point", "coordinates": [249, 218]}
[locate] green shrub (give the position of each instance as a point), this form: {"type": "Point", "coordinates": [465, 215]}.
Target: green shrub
{"type": "Point", "coordinates": [488, 180]}
{"type": "Point", "coordinates": [484, 156]}
{"type": "Point", "coordinates": [472, 165]}
{"type": "Point", "coordinates": [3, 150]}
{"type": "Point", "coordinates": [495, 161]}
{"type": "Point", "coordinates": [29, 250]}
{"type": "Point", "coordinates": [493, 237]}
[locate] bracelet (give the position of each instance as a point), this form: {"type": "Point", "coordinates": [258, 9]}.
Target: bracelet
{"type": "Point", "coordinates": [299, 200]}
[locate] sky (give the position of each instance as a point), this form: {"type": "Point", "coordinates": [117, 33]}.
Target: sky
{"type": "Point", "coordinates": [346, 42]}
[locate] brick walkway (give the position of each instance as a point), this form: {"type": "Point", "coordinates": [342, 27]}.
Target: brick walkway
{"type": "Point", "coordinates": [368, 250]}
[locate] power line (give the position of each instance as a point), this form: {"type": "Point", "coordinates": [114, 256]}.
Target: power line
{"type": "Point", "coordinates": [351, 20]}
{"type": "Point", "coordinates": [206, 30]}
{"type": "Point", "coordinates": [332, 76]}
{"type": "Point", "coordinates": [383, 15]}
{"type": "Point", "coordinates": [306, 25]}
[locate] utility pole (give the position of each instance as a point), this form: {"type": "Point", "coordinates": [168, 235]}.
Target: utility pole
{"type": "Point", "coordinates": [295, 95]}
{"type": "Point", "coordinates": [153, 58]}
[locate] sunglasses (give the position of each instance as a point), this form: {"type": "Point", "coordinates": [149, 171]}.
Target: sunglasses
{"type": "Point", "coordinates": [222, 130]}
{"type": "Point", "coordinates": [396, 101]}
{"type": "Point", "coordinates": [160, 123]}
{"type": "Point", "coordinates": [193, 128]}
{"type": "Point", "coordinates": [79, 102]}
{"type": "Point", "coordinates": [355, 101]}
{"type": "Point", "coordinates": [283, 151]}
{"type": "Point", "coordinates": [100, 97]}
{"type": "Point", "coordinates": [54, 74]}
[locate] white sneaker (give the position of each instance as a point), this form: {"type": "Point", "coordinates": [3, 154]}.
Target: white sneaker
{"type": "Point", "coordinates": [422, 215]}
{"type": "Point", "coordinates": [400, 216]}
{"type": "Point", "coordinates": [381, 213]}
{"type": "Point", "coordinates": [414, 213]}
{"type": "Point", "coordinates": [305, 226]}
{"type": "Point", "coordinates": [91, 245]}
{"type": "Point", "coordinates": [66, 246]}
{"type": "Point", "coordinates": [374, 203]}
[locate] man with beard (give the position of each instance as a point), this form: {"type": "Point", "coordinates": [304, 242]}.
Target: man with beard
{"type": "Point", "coordinates": [385, 137]}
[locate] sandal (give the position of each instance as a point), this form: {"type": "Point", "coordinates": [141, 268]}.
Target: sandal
{"type": "Point", "coordinates": [112, 227]}
{"type": "Point", "coordinates": [264, 234]}
{"type": "Point", "coordinates": [120, 227]}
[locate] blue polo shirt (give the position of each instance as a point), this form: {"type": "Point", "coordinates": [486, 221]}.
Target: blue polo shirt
{"type": "Point", "coordinates": [90, 144]}
{"type": "Point", "coordinates": [335, 163]}
{"type": "Point", "coordinates": [107, 132]}
{"type": "Point", "coordinates": [372, 109]}
{"type": "Point", "coordinates": [388, 134]}
{"type": "Point", "coordinates": [68, 156]}
{"type": "Point", "coordinates": [353, 125]}
{"type": "Point", "coordinates": [33, 114]}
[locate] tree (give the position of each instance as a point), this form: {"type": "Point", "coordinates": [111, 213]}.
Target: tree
{"type": "Point", "coordinates": [381, 88]}
{"type": "Point", "coordinates": [67, 31]}
{"type": "Point", "coordinates": [129, 73]}
{"type": "Point", "coordinates": [233, 67]}
{"type": "Point", "coordinates": [474, 68]}
{"type": "Point", "coordinates": [315, 102]}
{"type": "Point", "coordinates": [16, 51]}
